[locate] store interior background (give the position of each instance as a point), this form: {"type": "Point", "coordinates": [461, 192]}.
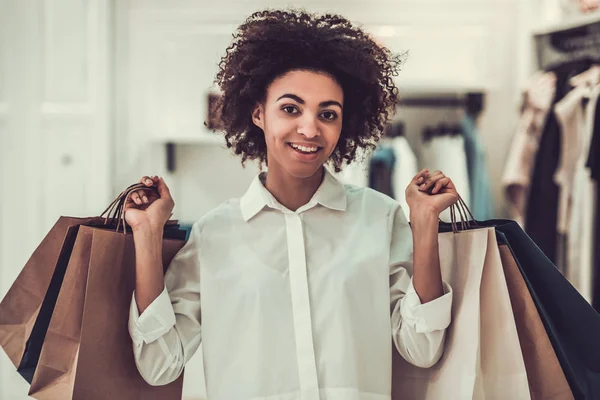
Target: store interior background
{"type": "Point", "coordinates": [91, 93]}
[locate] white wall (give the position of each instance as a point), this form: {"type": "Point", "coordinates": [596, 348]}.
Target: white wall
{"type": "Point", "coordinates": [54, 128]}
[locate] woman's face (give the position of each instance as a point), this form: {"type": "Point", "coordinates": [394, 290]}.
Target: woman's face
{"type": "Point", "coordinates": [302, 121]}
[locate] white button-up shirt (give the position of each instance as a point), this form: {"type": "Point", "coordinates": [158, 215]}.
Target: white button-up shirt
{"type": "Point", "coordinates": [293, 305]}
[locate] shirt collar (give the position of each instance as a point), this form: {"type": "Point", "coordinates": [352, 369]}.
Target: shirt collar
{"type": "Point", "coordinates": [330, 194]}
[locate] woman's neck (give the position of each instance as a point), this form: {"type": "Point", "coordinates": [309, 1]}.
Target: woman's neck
{"type": "Point", "coordinates": [290, 191]}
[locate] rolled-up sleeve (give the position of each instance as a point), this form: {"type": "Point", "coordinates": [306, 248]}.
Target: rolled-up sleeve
{"type": "Point", "coordinates": [156, 320]}
{"type": "Point", "coordinates": [418, 330]}
{"type": "Point", "coordinates": [168, 333]}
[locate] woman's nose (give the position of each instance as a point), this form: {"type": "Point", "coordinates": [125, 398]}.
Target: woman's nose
{"type": "Point", "coordinates": [308, 128]}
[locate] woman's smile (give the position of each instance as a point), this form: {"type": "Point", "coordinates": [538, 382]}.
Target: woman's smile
{"type": "Point", "coordinates": [305, 152]}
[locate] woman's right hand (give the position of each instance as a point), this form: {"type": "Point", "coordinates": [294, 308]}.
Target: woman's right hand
{"type": "Point", "coordinates": [149, 208]}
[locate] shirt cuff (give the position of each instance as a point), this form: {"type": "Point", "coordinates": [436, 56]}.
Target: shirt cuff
{"type": "Point", "coordinates": [429, 317]}
{"type": "Point", "coordinates": [155, 321]}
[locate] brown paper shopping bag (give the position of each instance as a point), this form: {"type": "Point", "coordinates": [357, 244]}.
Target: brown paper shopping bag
{"type": "Point", "coordinates": [87, 352]}
{"type": "Point", "coordinates": [21, 305]}
{"type": "Point", "coordinates": [27, 308]}
{"type": "Point", "coordinates": [546, 377]}
{"type": "Point", "coordinates": [482, 357]}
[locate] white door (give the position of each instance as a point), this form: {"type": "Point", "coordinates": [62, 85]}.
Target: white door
{"type": "Point", "coordinates": [54, 129]}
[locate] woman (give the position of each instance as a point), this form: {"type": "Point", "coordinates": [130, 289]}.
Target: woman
{"type": "Point", "coordinates": [296, 288]}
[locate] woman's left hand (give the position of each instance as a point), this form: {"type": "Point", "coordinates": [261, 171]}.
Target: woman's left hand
{"type": "Point", "coordinates": [431, 190]}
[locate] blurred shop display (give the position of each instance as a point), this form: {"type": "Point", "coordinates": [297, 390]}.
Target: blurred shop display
{"type": "Point", "coordinates": [455, 149]}
{"type": "Point", "coordinates": [553, 168]}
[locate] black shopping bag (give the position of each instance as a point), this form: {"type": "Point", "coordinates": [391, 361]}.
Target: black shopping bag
{"type": "Point", "coordinates": [572, 324]}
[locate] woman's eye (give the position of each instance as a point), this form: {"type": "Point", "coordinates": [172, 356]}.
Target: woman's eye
{"type": "Point", "coordinates": [290, 109]}
{"type": "Point", "coordinates": [329, 115]}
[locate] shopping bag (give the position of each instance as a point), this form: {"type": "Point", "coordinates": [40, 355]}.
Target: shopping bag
{"type": "Point", "coordinates": [571, 323]}
{"type": "Point", "coordinates": [481, 359]}
{"type": "Point", "coordinates": [545, 376]}
{"type": "Point", "coordinates": [40, 277]}
{"type": "Point", "coordinates": [503, 371]}
{"type": "Point", "coordinates": [87, 352]}
{"type": "Point", "coordinates": [27, 308]}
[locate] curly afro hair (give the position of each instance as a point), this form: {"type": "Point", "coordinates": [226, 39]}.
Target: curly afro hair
{"type": "Point", "coordinates": [271, 43]}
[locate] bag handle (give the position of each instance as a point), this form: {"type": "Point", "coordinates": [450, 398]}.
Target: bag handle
{"type": "Point", "coordinates": [111, 208]}
{"type": "Point", "coordinates": [467, 220]}
{"type": "Point", "coordinates": [116, 210]}
{"type": "Point", "coordinates": [121, 208]}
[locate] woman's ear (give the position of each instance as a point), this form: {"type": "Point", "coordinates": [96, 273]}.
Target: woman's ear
{"type": "Point", "coordinates": [258, 116]}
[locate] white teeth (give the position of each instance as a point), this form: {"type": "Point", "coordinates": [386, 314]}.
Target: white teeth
{"type": "Point", "coordinates": [304, 149]}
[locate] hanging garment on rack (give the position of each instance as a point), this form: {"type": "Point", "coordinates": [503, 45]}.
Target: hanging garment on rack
{"type": "Point", "coordinates": [404, 170]}
{"type": "Point", "coordinates": [581, 238]}
{"type": "Point", "coordinates": [593, 159]}
{"type": "Point", "coordinates": [381, 169]}
{"type": "Point", "coordinates": [480, 193]}
{"type": "Point", "coordinates": [569, 114]}
{"type": "Point", "coordinates": [356, 173]}
{"type": "Point", "coordinates": [577, 189]}
{"type": "Point", "coordinates": [577, 130]}
{"type": "Point", "coordinates": [593, 164]}
{"type": "Point", "coordinates": [446, 153]}
{"type": "Point", "coordinates": [542, 205]}
{"type": "Point", "coordinates": [521, 157]}
{"type": "Point", "coordinates": [596, 255]}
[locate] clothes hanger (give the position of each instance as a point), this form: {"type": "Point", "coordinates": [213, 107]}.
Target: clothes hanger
{"type": "Point", "coordinates": [443, 129]}
{"type": "Point", "coordinates": [585, 82]}
{"type": "Point", "coordinates": [427, 133]}
{"type": "Point", "coordinates": [588, 78]}
{"type": "Point", "coordinates": [386, 138]}
{"type": "Point", "coordinates": [398, 129]}
{"type": "Point", "coordinates": [456, 130]}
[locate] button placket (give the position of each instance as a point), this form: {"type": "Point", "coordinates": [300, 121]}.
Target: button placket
{"type": "Point", "coordinates": [307, 367]}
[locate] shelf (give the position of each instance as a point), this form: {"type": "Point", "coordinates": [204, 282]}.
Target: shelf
{"type": "Point", "coordinates": [569, 23]}
{"type": "Point", "coordinates": [408, 88]}
{"type": "Point", "coordinates": [202, 139]}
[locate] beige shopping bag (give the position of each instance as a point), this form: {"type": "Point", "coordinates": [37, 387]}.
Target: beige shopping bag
{"type": "Point", "coordinates": [482, 357]}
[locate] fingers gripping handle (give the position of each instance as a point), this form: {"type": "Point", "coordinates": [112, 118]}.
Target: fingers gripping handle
{"type": "Point", "coordinates": [116, 210]}
{"type": "Point", "coordinates": [467, 221]}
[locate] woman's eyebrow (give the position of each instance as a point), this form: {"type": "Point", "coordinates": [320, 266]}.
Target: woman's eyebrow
{"type": "Point", "coordinates": [293, 97]}
{"type": "Point", "coordinates": [331, 103]}
{"type": "Point", "coordinates": [322, 104]}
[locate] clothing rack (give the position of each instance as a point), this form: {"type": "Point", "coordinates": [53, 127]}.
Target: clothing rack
{"type": "Point", "coordinates": [472, 102]}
